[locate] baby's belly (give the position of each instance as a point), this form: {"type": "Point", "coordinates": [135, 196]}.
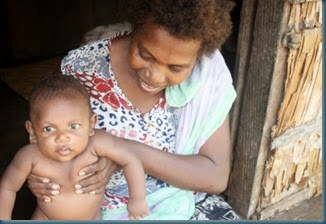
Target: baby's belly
{"type": "Point", "coordinates": [71, 206]}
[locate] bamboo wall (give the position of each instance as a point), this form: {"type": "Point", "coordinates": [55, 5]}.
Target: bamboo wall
{"type": "Point", "coordinates": [294, 163]}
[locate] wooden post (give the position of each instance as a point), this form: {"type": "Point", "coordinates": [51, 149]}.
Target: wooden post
{"type": "Point", "coordinates": [252, 129]}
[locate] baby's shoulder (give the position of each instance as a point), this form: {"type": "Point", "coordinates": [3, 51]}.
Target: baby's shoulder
{"type": "Point", "coordinates": [28, 154]}
{"type": "Point", "coordinates": [30, 149]}
{"type": "Point", "coordinates": [97, 141]}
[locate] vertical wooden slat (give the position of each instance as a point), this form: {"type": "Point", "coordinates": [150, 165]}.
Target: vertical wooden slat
{"type": "Point", "coordinates": [245, 36]}
{"type": "Point", "coordinates": [256, 93]}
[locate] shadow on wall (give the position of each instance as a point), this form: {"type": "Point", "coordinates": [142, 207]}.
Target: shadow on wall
{"type": "Point", "coordinates": [13, 136]}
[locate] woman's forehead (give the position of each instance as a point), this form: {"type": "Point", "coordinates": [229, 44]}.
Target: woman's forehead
{"type": "Point", "coordinates": [161, 44]}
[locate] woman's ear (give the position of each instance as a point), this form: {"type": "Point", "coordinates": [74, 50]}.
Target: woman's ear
{"type": "Point", "coordinates": [92, 124]}
{"type": "Point", "coordinates": [30, 130]}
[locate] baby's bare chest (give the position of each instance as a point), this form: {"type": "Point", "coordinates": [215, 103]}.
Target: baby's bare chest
{"type": "Point", "coordinates": [66, 174]}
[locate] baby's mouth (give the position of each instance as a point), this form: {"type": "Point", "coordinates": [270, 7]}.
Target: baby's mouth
{"type": "Point", "coordinates": [64, 150]}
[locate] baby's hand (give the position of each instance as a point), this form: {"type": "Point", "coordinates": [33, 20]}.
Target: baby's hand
{"type": "Point", "coordinates": [137, 209]}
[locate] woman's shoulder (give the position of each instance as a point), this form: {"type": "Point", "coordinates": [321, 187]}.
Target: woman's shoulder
{"type": "Point", "coordinates": [86, 57]}
{"type": "Point", "coordinates": [216, 69]}
{"type": "Point", "coordinates": [91, 48]}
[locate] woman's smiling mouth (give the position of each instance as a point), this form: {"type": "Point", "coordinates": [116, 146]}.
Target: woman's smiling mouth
{"type": "Point", "coordinates": [148, 88]}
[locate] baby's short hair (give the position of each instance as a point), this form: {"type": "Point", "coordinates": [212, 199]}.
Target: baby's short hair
{"type": "Point", "coordinates": [58, 86]}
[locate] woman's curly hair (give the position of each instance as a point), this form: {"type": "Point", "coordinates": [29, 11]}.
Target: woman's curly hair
{"type": "Point", "coordinates": [207, 21]}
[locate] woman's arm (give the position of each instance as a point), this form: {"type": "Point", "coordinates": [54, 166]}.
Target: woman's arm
{"type": "Point", "coordinates": [206, 172]}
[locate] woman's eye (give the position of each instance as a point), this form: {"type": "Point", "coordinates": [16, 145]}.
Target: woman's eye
{"type": "Point", "coordinates": [145, 56]}
{"type": "Point", "coordinates": [175, 69]}
{"type": "Point", "coordinates": [48, 129]}
{"type": "Point", "coordinates": [74, 126]}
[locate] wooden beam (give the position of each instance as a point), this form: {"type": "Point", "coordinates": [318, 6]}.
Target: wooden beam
{"type": "Point", "coordinates": [302, 1]}
{"type": "Point", "coordinates": [255, 98]}
{"type": "Point", "coordinates": [297, 133]}
{"type": "Point", "coordinates": [287, 202]}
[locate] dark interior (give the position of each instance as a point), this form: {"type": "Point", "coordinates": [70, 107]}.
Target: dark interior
{"type": "Point", "coordinates": [35, 30]}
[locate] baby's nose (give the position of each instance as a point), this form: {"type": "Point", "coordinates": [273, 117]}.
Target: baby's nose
{"type": "Point", "coordinates": [62, 136]}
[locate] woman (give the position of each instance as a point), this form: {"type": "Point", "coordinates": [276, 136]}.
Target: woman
{"type": "Point", "coordinates": [165, 87]}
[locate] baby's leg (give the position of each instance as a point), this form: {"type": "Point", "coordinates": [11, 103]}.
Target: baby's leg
{"type": "Point", "coordinates": [38, 215]}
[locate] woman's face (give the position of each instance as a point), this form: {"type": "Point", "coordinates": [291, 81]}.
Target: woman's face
{"type": "Point", "coordinates": [160, 59]}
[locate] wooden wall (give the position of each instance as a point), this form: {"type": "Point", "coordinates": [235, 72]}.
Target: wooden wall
{"type": "Point", "coordinates": [276, 122]}
{"type": "Point", "coordinates": [293, 170]}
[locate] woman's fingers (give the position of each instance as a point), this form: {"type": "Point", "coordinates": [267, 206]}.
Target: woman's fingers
{"type": "Point", "coordinates": [38, 179]}
{"type": "Point", "coordinates": [43, 198]}
{"type": "Point", "coordinates": [98, 178]}
{"type": "Point", "coordinates": [42, 187]}
{"type": "Point", "coordinates": [99, 165]}
{"type": "Point", "coordinates": [91, 183]}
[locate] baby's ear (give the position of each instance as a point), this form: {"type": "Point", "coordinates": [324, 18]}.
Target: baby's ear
{"type": "Point", "coordinates": [30, 130]}
{"type": "Point", "coordinates": [92, 124]}
{"type": "Point", "coordinates": [93, 120]}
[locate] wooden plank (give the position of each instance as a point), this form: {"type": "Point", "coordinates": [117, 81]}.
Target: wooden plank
{"type": "Point", "coordinates": [304, 64]}
{"type": "Point", "coordinates": [296, 133]}
{"type": "Point", "coordinates": [254, 102]}
{"type": "Point", "coordinates": [293, 166]}
{"type": "Point", "coordinates": [245, 37]}
{"type": "Point", "coordinates": [302, 1]}
{"type": "Point", "coordinates": [309, 210]}
{"type": "Point", "coordinates": [273, 105]}
{"type": "Point", "coordinates": [281, 205]}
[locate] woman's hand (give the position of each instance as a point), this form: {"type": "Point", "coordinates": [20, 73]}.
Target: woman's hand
{"type": "Point", "coordinates": [97, 176]}
{"type": "Point", "coordinates": [42, 187]}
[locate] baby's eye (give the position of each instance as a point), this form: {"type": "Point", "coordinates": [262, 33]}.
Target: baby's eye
{"type": "Point", "coordinates": [48, 129]}
{"type": "Point", "coordinates": [74, 126]}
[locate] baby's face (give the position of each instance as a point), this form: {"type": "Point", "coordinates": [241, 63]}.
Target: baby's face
{"type": "Point", "coordinates": [62, 128]}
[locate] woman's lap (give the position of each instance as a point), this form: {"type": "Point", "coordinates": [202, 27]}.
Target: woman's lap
{"type": "Point", "coordinates": [214, 207]}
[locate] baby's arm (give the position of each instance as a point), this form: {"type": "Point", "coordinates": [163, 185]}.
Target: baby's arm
{"type": "Point", "coordinates": [135, 176]}
{"type": "Point", "coordinates": [12, 180]}
{"type": "Point", "coordinates": [133, 170]}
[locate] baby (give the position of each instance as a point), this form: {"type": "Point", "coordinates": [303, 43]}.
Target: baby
{"type": "Point", "coordinates": [62, 141]}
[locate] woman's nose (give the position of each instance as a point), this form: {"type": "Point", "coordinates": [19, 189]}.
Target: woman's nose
{"type": "Point", "coordinates": [155, 75]}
